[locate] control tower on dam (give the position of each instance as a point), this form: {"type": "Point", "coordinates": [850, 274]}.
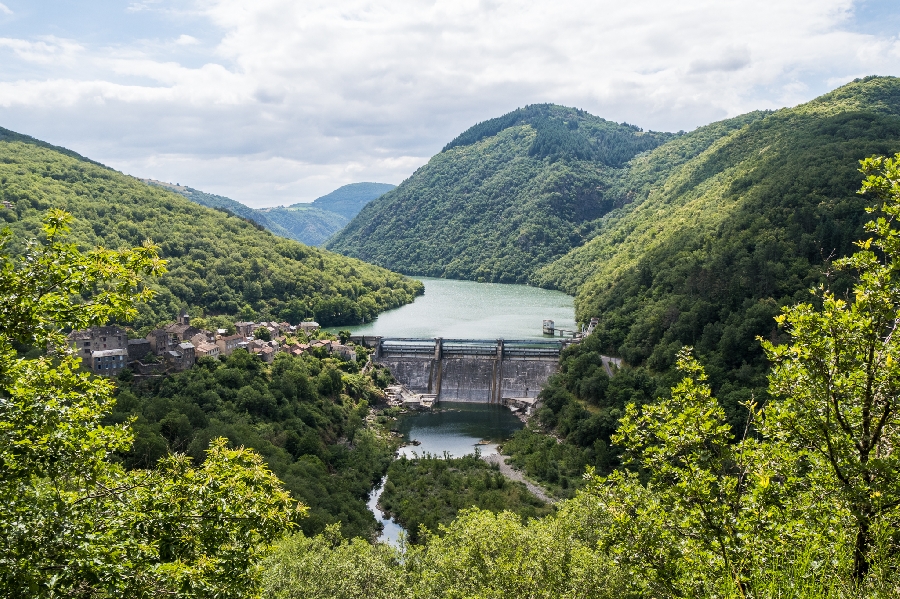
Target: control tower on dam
{"type": "Point", "coordinates": [469, 370]}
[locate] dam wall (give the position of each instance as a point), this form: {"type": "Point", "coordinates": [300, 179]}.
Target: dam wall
{"type": "Point", "coordinates": [470, 370]}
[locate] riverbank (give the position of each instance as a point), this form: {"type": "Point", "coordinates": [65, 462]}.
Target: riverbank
{"type": "Point", "coordinates": [513, 474]}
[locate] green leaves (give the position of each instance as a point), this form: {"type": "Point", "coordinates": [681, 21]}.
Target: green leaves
{"type": "Point", "coordinates": [839, 378]}
{"type": "Point", "coordinates": [72, 522]}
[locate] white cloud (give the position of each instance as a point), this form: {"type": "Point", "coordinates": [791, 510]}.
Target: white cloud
{"type": "Point", "coordinates": [49, 50]}
{"type": "Point", "coordinates": [187, 40]}
{"type": "Point", "coordinates": [296, 98]}
{"type": "Point", "coordinates": [5, 9]}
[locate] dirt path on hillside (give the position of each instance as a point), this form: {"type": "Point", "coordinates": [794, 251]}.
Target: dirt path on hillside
{"type": "Point", "coordinates": [513, 474]}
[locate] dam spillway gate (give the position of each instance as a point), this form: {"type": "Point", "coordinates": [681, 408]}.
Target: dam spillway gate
{"type": "Point", "coordinates": [469, 370]}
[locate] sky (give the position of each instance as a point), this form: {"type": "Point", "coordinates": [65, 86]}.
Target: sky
{"type": "Point", "coordinates": [272, 102]}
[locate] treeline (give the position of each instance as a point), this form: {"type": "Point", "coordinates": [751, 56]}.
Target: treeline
{"type": "Point", "coordinates": [568, 133]}
{"type": "Point", "coordinates": [426, 493]}
{"type": "Point", "coordinates": [217, 264]}
{"type": "Point", "coordinates": [305, 415]}
{"type": "Point", "coordinates": [505, 198]}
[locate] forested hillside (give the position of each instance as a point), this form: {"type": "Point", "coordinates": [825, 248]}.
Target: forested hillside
{"type": "Point", "coordinates": [713, 244]}
{"type": "Point", "coordinates": [310, 223]}
{"type": "Point", "coordinates": [305, 415]}
{"type": "Point", "coordinates": [505, 197]}
{"type": "Point", "coordinates": [218, 263]}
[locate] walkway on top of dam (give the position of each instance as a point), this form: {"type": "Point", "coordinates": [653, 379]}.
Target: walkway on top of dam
{"type": "Point", "coordinates": [438, 348]}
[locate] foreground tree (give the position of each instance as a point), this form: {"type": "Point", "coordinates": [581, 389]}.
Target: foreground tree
{"type": "Point", "coordinates": [72, 522]}
{"type": "Point", "coordinates": [839, 379]}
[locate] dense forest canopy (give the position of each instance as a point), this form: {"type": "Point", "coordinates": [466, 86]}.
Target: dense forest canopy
{"type": "Point", "coordinates": [506, 197]}
{"type": "Point", "coordinates": [218, 263]}
{"type": "Point", "coordinates": [712, 245]}
{"type": "Point", "coordinates": [305, 415]}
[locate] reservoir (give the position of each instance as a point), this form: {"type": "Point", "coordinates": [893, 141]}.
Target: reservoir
{"type": "Point", "coordinates": [464, 310]}
{"type": "Point", "coordinates": [468, 310]}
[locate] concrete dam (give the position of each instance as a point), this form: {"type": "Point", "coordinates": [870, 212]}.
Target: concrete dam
{"type": "Point", "coordinates": [469, 370]}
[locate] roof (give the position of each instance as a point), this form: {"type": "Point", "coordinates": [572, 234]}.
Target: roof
{"type": "Point", "coordinates": [109, 352]}
{"type": "Point", "coordinates": [178, 328]}
{"type": "Point", "coordinates": [242, 324]}
{"type": "Point", "coordinates": [186, 345]}
{"type": "Point", "coordinates": [207, 346]}
{"type": "Point", "coordinates": [232, 337]}
{"type": "Point", "coordinates": [138, 341]}
{"type": "Point", "coordinates": [308, 323]}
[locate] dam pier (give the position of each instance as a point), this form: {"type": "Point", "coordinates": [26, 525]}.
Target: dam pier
{"type": "Point", "coordinates": [468, 370]}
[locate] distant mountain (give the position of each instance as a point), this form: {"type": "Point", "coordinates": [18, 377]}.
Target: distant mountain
{"type": "Point", "coordinates": [504, 198]}
{"type": "Point", "coordinates": [350, 199]}
{"type": "Point", "coordinates": [316, 221]}
{"type": "Point", "coordinates": [218, 263]}
{"type": "Point", "coordinates": [310, 223]}
{"type": "Point", "coordinates": [305, 223]}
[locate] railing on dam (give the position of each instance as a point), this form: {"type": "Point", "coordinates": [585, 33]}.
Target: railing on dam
{"type": "Point", "coordinates": [469, 348]}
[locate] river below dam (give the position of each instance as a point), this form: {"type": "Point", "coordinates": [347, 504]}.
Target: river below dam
{"type": "Point", "coordinates": [464, 310]}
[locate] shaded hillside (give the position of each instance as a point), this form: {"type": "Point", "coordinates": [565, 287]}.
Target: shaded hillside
{"type": "Point", "coordinates": [348, 200]}
{"type": "Point", "coordinates": [706, 256]}
{"type": "Point", "coordinates": [505, 197]}
{"type": "Point", "coordinates": [218, 263]}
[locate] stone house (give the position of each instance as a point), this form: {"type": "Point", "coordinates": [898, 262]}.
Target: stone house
{"type": "Point", "coordinates": [309, 326]}
{"type": "Point", "coordinates": [266, 354]}
{"type": "Point", "coordinates": [95, 339]}
{"type": "Point", "coordinates": [159, 341]}
{"type": "Point", "coordinates": [205, 349]}
{"type": "Point", "coordinates": [245, 329]}
{"type": "Point", "coordinates": [138, 348]}
{"type": "Point", "coordinates": [228, 344]}
{"type": "Point", "coordinates": [203, 337]}
{"type": "Point", "coordinates": [345, 351]}
{"type": "Point", "coordinates": [109, 362]}
{"type": "Point", "coordinates": [181, 357]}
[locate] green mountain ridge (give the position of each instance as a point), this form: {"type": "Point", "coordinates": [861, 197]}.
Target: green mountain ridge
{"type": "Point", "coordinates": [218, 263]}
{"type": "Point", "coordinates": [348, 200]}
{"type": "Point", "coordinates": [310, 223]}
{"type": "Point", "coordinates": [705, 255]}
{"type": "Point", "coordinates": [505, 197]}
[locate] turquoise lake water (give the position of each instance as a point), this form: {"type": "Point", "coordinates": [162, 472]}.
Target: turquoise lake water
{"type": "Point", "coordinates": [468, 310]}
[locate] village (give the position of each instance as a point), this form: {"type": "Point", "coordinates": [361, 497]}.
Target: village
{"type": "Point", "coordinates": [107, 350]}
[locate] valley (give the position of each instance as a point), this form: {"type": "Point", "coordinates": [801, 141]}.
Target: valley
{"type": "Point", "coordinates": [721, 270]}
